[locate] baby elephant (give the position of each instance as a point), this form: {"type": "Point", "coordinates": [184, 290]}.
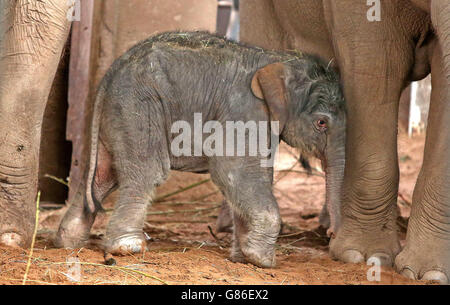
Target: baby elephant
{"type": "Point", "coordinates": [175, 81]}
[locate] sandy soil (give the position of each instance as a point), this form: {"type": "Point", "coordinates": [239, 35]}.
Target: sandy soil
{"type": "Point", "coordinates": [182, 249]}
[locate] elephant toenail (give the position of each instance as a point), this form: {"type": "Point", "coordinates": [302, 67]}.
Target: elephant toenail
{"type": "Point", "coordinates": [406, 272]}
{"type": "Point", "coordinates": [11, 239]}
{"type": "Point", "coordinates": [128, 244]}
{"type": "Point", "coordinates": [383, 259]}
{"type": "Point", "coordinates": [437, 276]}
{"type": "Point", "coordinates": [352, 256]}
{"type": "Point", "coordinates": [267, 263]}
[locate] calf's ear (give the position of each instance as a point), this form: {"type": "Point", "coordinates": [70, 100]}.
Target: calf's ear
{"type": "Point", "coordinates": [269, 84]}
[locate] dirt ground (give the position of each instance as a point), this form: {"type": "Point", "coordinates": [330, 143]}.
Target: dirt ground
{"type": "Point", "coordinates": [182, 249]}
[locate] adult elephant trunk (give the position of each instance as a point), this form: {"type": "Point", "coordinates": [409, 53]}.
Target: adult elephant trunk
{"type": "Point", "coordinates": [32, 37]}
{"type": "Point", "coordinates": [334, 169]}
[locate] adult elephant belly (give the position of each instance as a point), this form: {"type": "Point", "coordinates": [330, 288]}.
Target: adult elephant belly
{"type": "Point", "coordinates": [305, 26]}
{"type": "Point", "coordinates": [287, 25]}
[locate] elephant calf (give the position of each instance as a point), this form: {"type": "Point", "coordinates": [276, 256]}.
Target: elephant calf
{"type": "Point", "coordinates": [178, 80]}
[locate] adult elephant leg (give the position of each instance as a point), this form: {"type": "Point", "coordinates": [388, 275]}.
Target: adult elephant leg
{"type": "Point", "coordinates": [373, 80]}
{"type": "Point", "coordinates": [427, 251]}
{"type": "Point", "coordinates": [32, 36]}
{"type": "Point", "coordinates": [259, 25]}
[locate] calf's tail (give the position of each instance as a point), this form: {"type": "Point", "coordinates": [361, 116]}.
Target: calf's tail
{"type": "Point", "coordinates": [91, 202]}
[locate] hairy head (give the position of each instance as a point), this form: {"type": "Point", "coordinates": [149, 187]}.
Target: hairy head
{"type": "Point", "coordinates": [316, 106]}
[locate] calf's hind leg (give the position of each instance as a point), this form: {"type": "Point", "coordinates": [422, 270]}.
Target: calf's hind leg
{"type": "Point", "coordinates": [76, 225]}
{"type": "Point", "coordinates": [124, 232]}
{"type": "Point", "coordinates": [138, 173]}
{"type": "Point", "coordinates": [224, 221]}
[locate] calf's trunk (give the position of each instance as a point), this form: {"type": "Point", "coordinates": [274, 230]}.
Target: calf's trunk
{"type": "Point", "coordinates": [335, 164]}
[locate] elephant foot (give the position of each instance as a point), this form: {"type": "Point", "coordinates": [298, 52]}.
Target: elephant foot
{"type": "Point", "coordinates": [16, 227]}
{"type": "Point", "coordinates": [72, 233]}
{"type": "Point", "coordinates": [256, 257]}
{"type": "Point", "coordinates": [259, 257]}
{"type": "Point", "coordinates": [253, 248]}
{"type": "Point", "coordinates": [425, 260]}
{"type": "Point", "coordinates": [68, 241]}
{"type": "Point", "coordinates": [127, 244]}
{"type": "Point", "coordinates": [354, 245]}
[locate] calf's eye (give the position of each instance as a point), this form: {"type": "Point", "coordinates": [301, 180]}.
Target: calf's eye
{"type": "Point", "coordinates": [322, 123]}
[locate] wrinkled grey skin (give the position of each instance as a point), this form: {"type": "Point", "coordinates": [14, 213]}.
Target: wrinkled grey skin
{"type": "Point", "coordinates": [376, 61]}
{"type": "Point", "coordinates": [32, 38]}
{"type": "Point", "coordinates": [170, 77]}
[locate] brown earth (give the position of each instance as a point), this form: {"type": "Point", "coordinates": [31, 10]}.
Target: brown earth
{"type": "Point", "coordinates": [182, 249]}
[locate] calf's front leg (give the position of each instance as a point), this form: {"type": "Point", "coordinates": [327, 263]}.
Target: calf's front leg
{"type": "Point", "coordinates": [256, 218]}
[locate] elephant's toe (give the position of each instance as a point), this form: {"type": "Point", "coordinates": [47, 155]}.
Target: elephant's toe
{"type": "Point", "coordinates": [11, 239]}
{"type": "Point", "coordinates": [374, 247]}
{"type": "Point", "coordinates": [352, 256]}
{"type": "Point", "coordinates": [382, 259]}
{"type": "Point", "coordinates": [408, 273]}
{"type": "Point", "coordinates": [432, 275]}
{"type": "Point", "coordinates": [436, 275]}
{"type": "Point", "coordinates": [357, 257]}
{"type": "Point", "coordinates": [418, 265]}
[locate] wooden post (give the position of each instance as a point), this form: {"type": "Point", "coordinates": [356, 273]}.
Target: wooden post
{"type": "Point", "coordinates": [78, 92]}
